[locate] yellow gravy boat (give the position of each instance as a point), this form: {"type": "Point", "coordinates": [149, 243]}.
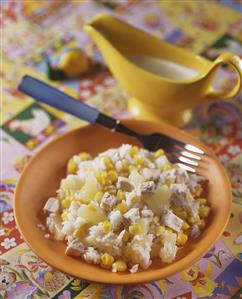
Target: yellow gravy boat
{"type": "Point", "coordinates": [164, 81]}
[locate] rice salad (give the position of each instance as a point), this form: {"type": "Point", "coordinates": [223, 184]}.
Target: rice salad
{"type": "Point", "coordinates": [126, 207]}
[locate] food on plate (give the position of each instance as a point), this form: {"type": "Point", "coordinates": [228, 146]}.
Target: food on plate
{"type": "Point", "coordinates": [126, 207]}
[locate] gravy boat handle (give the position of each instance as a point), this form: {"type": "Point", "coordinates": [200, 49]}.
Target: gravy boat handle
{"type": "Point", "coordinates": [236, 63]}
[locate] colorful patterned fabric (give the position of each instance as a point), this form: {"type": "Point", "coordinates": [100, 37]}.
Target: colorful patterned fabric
{"type": "Point", "coordinates": [34, 30]}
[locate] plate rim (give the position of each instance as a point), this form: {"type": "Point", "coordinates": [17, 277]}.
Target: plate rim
{"type": "Point", "coordinates": [128, 278]}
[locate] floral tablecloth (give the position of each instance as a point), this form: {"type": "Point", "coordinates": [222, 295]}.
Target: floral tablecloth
{"type": "Point", "coordinates": [33, 30]}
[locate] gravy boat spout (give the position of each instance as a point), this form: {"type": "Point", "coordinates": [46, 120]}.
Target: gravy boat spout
{"type": "Point", "coordinates": [164, 81]}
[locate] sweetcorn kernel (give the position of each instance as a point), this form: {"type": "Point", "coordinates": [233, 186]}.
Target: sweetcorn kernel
{"type": "Point", "coordinates": [125, 237]}
{"type": "Point", "coordinates": [82, 200]}
{"type": "Point", "coordinates": [107, 260]}
{"type": "Point", "coordinates": [169, 182]}
{"type": "Point", "coordinates": [198, 191]}
{"type": "Point", "coordinates": [132, 167]}
{"type": "Point", "coordinates": [120, 195]}
{"type": "Point", "coordinates": [92, 207]}
{"type": "Point", "coordinates": [158, 153]}
{"type": "Point", "coordinates": [112, 191]}
{"type": "Point", "coordinates": [98, 178]}
{"type": "Point", "coordinates": [79, 232]}
{"type": "Point", "coordinates": [103, 179]}
{"type": "Point", "coordinates": [156, 219]}
{"type": "Point", "coordinates": [122, 207]}
{"type": "Point", "coordinates": [106, 226]}
{"type": "Point", "coordinates": [135, 229]}
{"type": "Point", "coordinates": [134, 200]}
{"type": "Point", "coordinates": [176, 166]}
{"type": "Point", "coordinates": [139, 160]}
{"type": "Point", "coordinates": [68, 192]}
{"type": "Point", "coordinates": [181, 214]}
{"type": "Point", "coordinates": [65, 203]}
{"type": "Point", "coordinates": [113, 176]}
{"type": "Point", "coordinates": [185, 226]}
{"type": "Point", "coordinates": [181, 239]}
{"type": "Point", "coordinates": [201, 224]}
{"type": "Point", "coordinates": [204, 211]}
{"type": "Point", "coordinates": [202, 201]}
{"type": "Point", "coordinates": [108, 163]}
{"type": "Point", "coordinates": [71, 166]}
{"type": "Point", "coordinates": [159, 230]}
{"type": "Point", "coordinates": [193, 219]}
{"type": "Point", "coordinates": [167, 167]}
{"type": "Point", "coordinates": [104, 174]}
{"type": "Point", "coordinates": [133, 151]}
{"type": "Point", "coordinates": [125, 166]}
{"type": "Point", "coordinates": [98, 196]}
{"type": "Point", "coordinates": [169, 230]}
{"type": "Point", "coordinates": [119, 266]}
{"type": "Point", "coordinates": [85, 156]}
{"type": "Point", "coordinates": [63, 216]}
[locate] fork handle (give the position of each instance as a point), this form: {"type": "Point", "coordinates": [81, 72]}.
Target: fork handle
{"type": "Point", "coordinates": [47, 94]}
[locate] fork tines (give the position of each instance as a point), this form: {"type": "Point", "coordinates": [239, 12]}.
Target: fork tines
{"type": "Point", "coordinates": [187, 156]}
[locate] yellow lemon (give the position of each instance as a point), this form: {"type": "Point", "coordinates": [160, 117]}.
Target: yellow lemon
{"type": "Point", "coordinates": [73, 63]}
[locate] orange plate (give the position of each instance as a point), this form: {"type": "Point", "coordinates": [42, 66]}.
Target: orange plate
{"type": "Point", "coordinates": [42, 176]}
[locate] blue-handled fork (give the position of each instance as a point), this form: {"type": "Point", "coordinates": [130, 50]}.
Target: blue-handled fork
{"type": "Point", "coordinates": [178, 151]}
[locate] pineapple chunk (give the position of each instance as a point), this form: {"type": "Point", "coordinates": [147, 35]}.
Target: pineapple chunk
{"type": "Point", "coordinates": [72, 182]}
{"type": "Point", "coordinates": [135, 178]}
{"type": "Point", "coordinates": [144, 223]}
{"type": "Point", "coordinates": [159, 200]}
{"type": "Point", "coordinates": [168, 251]}
{"type": "Point", "coordinates": [90, 214]}
{"type": "Point", "coordinates": [89, 189]}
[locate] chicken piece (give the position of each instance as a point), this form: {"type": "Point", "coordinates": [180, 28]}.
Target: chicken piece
{"type": "Point", "coordinates": [53, 222]}
{"type": "Point", "coordinates": [139, 250]}
{"type": "Point", "coordinates": [108, 202]}
{"type": "Point", "coordinates": [124, 184]}
{"type": "Point", "coordinates": [151, 174]}
{"type": "Point", "coordinates": [115, 218]}
{"type": "Point", "coordinates": [119, 239]}
{"type": "Point", "coordinates": [147, 187]}
{"type": "Point", "coordinates": [132, 215]}
{"type": "Point", "coordinates": [75, 248]}
{"type": "Point", "coordinates": [134, 269]}
{"type": "Point", "coordinates": [161, 162]}
{"type": "Point", "coordinates": [195, 231]}
{"type": "Point", "coordinates": [182, 197]}
{"type": "Point", "coordinates": [52, 206]}
{"type": "Point", "coordinates": [171, 220]}
{"type": "Point", "coordinates": [91, 255]}
{"type": "Point", "coordinates": [193, 181]}
{"type": "Point", "coordinates": [168, 176]}
{"type": "Point", "coordinates": [147, 213]}
{"type": "Point", "coordinates": [181, 176]}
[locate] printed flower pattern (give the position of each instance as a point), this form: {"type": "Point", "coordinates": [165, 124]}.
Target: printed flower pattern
{"type": "Point", "coordinates": [8, 231]}
{"type": "Point", "coordinates": [8, 243]}
{"type": "Point", "coordinates": [224, 158]}
{"type": "Point", "coordinates": [223, 141]}
{"type": "Point", "coordinates": [7, 217]}
{"type": "Point", "coordinates": [234, 149]}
